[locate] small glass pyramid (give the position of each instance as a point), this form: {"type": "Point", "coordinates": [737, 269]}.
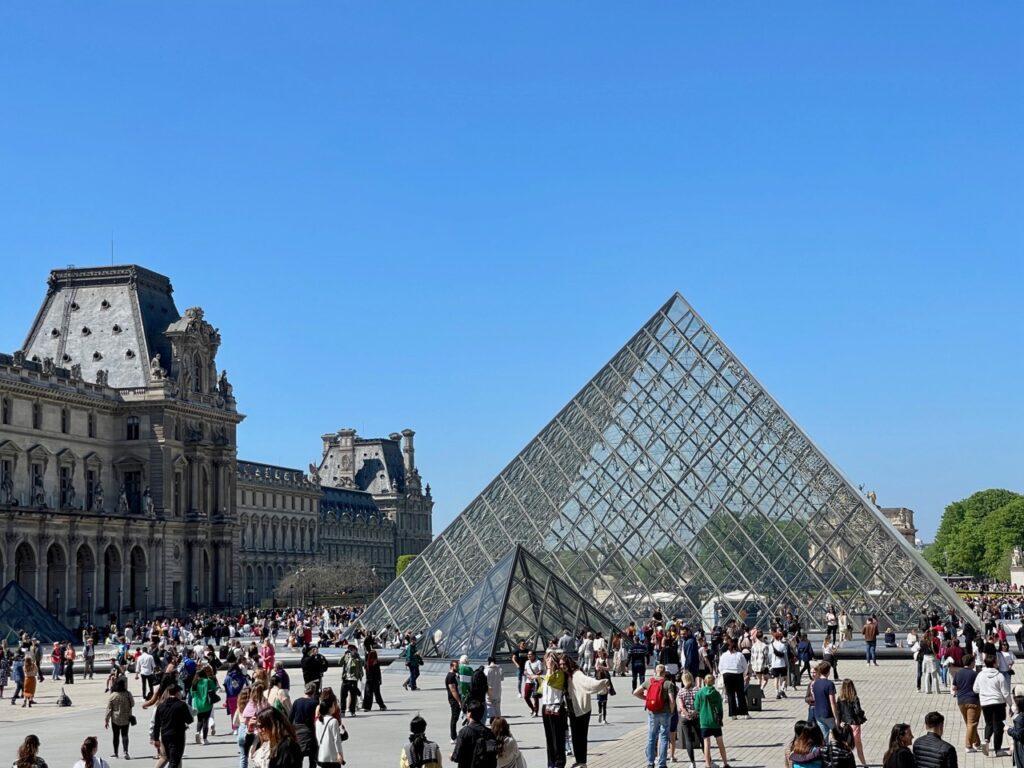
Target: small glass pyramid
{"type": "Point", "coordinates": [20, 612]}
{"type": "Point", "coordinates": [518, 599]}
{"type": "Point", "coordinates": [674, 480]}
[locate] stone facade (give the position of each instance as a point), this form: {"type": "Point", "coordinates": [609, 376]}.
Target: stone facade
{"type": "Point", "coordinates": [120, 487]}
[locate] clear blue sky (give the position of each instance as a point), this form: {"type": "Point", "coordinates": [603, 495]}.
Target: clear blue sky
{"type": "Point", "coordinates": [449, 216]}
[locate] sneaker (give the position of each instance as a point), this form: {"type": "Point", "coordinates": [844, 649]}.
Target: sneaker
{"type": "Point", "coordinates": [972, 750]}
{"type": "Point", "coordinates": [199, 738]}
{"type": "Point", "coordinates": [213, 729]}
{"type": "Point", "coordinates": [984, 749]}
{"type": "Point", "coordinates": [127, 756]}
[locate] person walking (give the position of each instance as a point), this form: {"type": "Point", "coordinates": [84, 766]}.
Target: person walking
{"type": "Point", "coordinates": [532, 670]}
{"type": "Point", "coordinates": [56, 661]}
{"type": "Point", "coordinates": [314, 665]}
{"type": "Point", "coordinates": [931, 751]}
{"type": "Point", "coordinates": [899, 754]}
{"type": "Point", "coordinates": [823, 692]}
{"type": "Point", "coordinates": [145, 668]}
{"type": "Point", "coordinates": [351, 674]}
{"type": "Point", "coordinates": [278, 744]}
{"type": "Point", "coordinates": [779, 652]}
{"type": "Point", "coordinates": [968, 702]}
{"type": "Point", "coordinates": [451, 685]}
{"type": "Point", "coordinates": [638, 661]}
{"type": "Point", "coordinates": [466, 749]}
{"type": "Point", "coordinates": [28, 754]}
{"type": "Point", "coordinates": [581, 687]}
{"type": "Point", "coordinates": [929, 661]}
{"type": "Point", "coordinates": [658, 695]}
{"type": "Point", "coordinates": [89, 658]}
{"type": "Point", "coordinates": [708, 703]}
{"type": "Point", "coordinates": [735, 676]}
{"type": "Point", "coordinates": [204, 686]}
{"type": "Point", "coordinates": [119, 715]}
{"type": "Point", "coordinates": [420, 752]}
{"type": "Point", "coordinates": [413, 661]}
{"type": "Point", "coordinates": [330, 733]}
{"type": "Point", "coordinates": [993, 691]}
{"type": "Point", "coordinates": [171, 720]}
{"type": "Point", "coordinates": [68, 663]}
{"type": "Point", "coordinates": [759, 659]}
{"type": "Point", "coordinates": [689, 718]}
{"type": "Point", "coordinates": [18, 676]}
{"type": "Point", "coordinates": [267, 654]}
{"type": "Point", "coordinates": [851, 714]}
{"type": "Point", "coordinates": [302, 717]}
{"type": "Point", "coordinates": [373, 683]}
{"type": "Point", "coordinates": [89, 757]}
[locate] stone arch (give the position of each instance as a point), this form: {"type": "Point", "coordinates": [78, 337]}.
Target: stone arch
{"type": "Point", "coordinates": [85, 578]}
{"type": "Point", "coordinates": [26, 567]}
{"type": "Point", "coordinates": [138, 578]}
{"type": "Point", "coordinates": [113, 569]}
{"type": "Point", "coordinates": [56, 573]}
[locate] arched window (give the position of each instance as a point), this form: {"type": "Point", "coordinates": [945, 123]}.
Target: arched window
{"type": "Point", "coordinates": [37, 416]}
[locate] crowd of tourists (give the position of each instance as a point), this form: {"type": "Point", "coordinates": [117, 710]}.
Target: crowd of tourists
{"type": "Point", "coordinates": [182, 676]}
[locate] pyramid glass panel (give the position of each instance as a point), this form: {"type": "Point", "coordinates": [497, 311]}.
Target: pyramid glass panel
{"type": "Point", "coordinates": [674, 480]}
{"type": "Point", "coordinates": [518, 599]}
{"type": "Point", "coordinates": [20, 612]}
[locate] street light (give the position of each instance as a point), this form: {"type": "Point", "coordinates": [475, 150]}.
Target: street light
{"type": "Point", "coordinates": [195, 596]}
{"type": "Point", "coordinates": [56, 599]}
{"type": "Point", "coordinates": [230, 595]}
{"type": "Point", "coordinates": [291, 596]}
{"type": "Point", "coordinates": [145, 604]}
{"type": "Point", "coordinates": [88, 604]}
{"type": "Point", "coordinates": [119, 590]}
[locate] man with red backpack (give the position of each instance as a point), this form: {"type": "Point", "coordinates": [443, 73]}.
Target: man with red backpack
{"type": "Point", "coordinates": [659, 696]}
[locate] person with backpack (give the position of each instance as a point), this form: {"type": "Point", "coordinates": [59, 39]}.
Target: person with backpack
{"type": "Point", "coordinates": [708, 703]}
{"type": "Point", "coordinates": [351, 675]}
{"type": "Point", "coordinates": [475, 746]}
{"type": "Point", "coordinates": [778, 651]}
{"type": "Point", "coordinates": [659, 697]}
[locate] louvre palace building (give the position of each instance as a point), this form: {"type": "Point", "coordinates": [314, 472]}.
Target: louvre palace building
{"type": "Point", "coordinates": [121, 490]}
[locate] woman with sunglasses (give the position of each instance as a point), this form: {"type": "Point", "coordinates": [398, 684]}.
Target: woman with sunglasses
{"type": "Point", "coordinates": [279, 747]}
{"type": "Point", "coordinates": [899, 754]}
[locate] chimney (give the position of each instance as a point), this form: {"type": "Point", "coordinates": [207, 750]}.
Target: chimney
{"type": "Point", "coordinates": [328, 442]}
{"type": "Point", "coordinates": [408, 451]}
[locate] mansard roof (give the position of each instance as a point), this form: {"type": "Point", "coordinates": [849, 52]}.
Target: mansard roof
{"type": "Point", "coordinates": [105, 318]}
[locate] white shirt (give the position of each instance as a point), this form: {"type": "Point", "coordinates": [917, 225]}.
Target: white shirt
{"type": "Point", "coordinates": [147, 664]}
{"type": "Point", "coordinates": [494, 677]}
{"type": "Point", "coordinates": [733, 663]}
{"type": "Point", "coordinates": [778, 662]}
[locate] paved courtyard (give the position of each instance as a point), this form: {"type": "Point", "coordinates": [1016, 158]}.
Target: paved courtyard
{"type": "Point", "coordinates": [887, 693]}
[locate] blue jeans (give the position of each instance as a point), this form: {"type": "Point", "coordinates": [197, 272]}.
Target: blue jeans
{"type": "Point", "coordinates": [870, 650]}
{"type": "Point", "coordinates": [657, 731]}
{"type": "Point", "coordinates": [826, 725]}
{"type": "Point", "coordinates": [414, 672]}
{"type": "Point", "coordinates": [243, 755]}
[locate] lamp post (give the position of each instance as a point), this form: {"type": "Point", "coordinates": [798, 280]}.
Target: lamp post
{"type": "Point", "coordinates": [195, 596]}
{"type": "Point", "coordinates": [56, 600]}
{"type": "Point", "coordinates": [231, 592]}
{"type": "Point", "coordinates": [88, 605]}
{"type": "Point", "coordinates": [291, 596]}
{"type": "Point", "coordinates": [119, 592]}
{"type": "Point", "coordinates": [252, 596]}
{"type": "Point", "coordinates": [145, 603]}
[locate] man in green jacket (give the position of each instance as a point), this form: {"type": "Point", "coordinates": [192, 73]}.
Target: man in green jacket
{"type": "Point", "coordinates": [351, 674]}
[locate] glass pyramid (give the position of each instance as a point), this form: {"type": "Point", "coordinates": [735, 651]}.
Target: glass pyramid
{"type": "Point", "coordinates": [518, 599]}
{"type": "Point", "coordinates": [673, 479]}
{"type": "Point", "coordinates": [20, 612]}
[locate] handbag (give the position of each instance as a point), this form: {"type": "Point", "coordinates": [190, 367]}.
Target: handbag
{"type": "Point", "coordinates": [132, 721]}
{"type": "Point", "coordinates": [809, 696]}
{"type": "Point", "coordinates": [213, 696]}
{"type": "Point", "coordinates": [552, 710]}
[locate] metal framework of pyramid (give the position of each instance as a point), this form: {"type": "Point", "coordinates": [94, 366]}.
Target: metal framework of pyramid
{"type": "Point", "coordinates": [674, 480]}
{"type": "Point", "coordinates": [518, 599]}
{"type": "Point", "coordinates": [20, 612]}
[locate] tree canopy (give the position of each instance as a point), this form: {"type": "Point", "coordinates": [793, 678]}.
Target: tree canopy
{"type": "Point", "coordinates": [977, 535]}
{"type": "Point", "coordinates": [335, 583]}
{"type": "Point", "coordinates": [404, 561]}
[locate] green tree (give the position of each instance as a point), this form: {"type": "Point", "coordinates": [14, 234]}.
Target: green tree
{"type": "Point", "coordinates": [404, 561]}
{"type": "Point", "coordinates": [974, 531]}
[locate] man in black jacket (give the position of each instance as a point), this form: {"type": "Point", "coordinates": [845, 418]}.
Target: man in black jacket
{"type": "Point", "coordinates": [170, 722]}
{"type": "Point", "coordinates": [301, 716]}
{"type": "Point", "coordinates": [313, 667]}
{"type": "Point", "coordinates": [930, 751]}
{"type": "Point", "coordinates": [467, 753]}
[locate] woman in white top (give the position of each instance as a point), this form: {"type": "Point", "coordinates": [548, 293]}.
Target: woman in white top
{"type": "Point", "coordinates": [778, 661]}
{"type": "Point", "coordinates": [735, 674]}
{"type": "Point", "coordinates": [89, 757]}
{"type": "Point", "coordinates": [329, 731]}
{"type": "Point", "coordinates": [759, 659]}
{"type": "Point", "coordinates": [533, 669]}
